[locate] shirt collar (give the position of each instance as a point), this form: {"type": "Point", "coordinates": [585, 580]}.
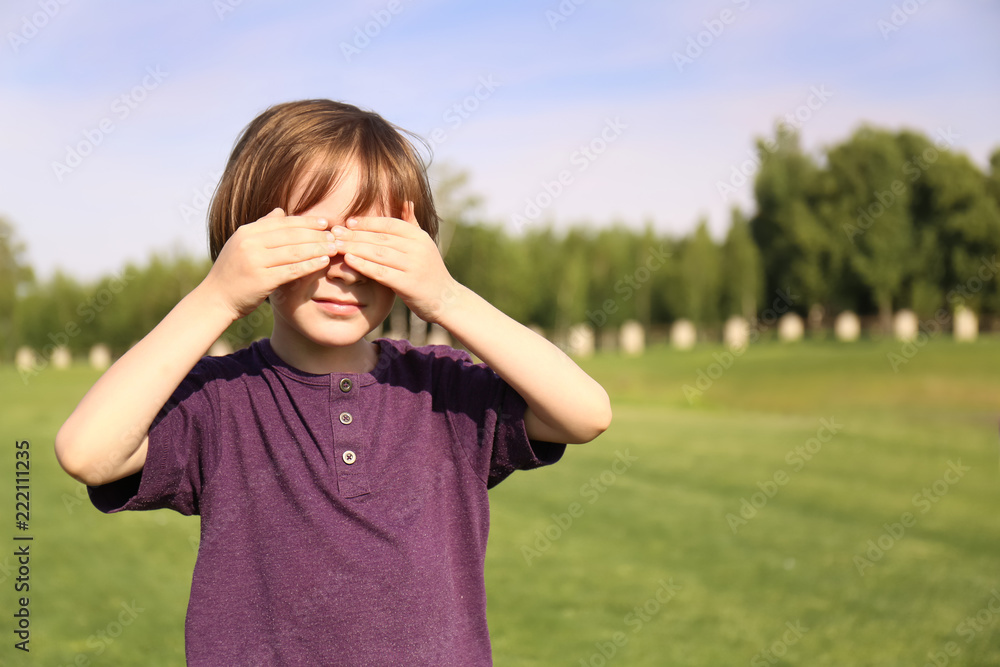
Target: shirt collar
{"type": "Point", "coordinates": [387, 353]}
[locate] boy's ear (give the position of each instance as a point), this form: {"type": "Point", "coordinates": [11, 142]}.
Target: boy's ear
{"type": "Point", "coordinates": [409, 214]}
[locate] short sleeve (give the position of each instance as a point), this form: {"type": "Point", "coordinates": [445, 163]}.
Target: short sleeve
{"type": "Point", "coordinates": [511, 448]}
{"type": "Point", "coordinates": [176, 455]}
{"type": "Point", "coordinates": [487, 414]}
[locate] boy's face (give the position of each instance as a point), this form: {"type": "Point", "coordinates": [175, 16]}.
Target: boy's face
{"type": "Point", "coordinates": [335, 306]}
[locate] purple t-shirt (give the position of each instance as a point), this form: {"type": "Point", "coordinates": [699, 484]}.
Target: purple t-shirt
{"type": "Point", "coordinates": [344, 517]}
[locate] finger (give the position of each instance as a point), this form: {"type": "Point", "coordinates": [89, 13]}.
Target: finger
{"type": "Point", "coordinates": [358, 235]}
{"type": "Point", "coordinates": [300, 252]}
{"type": "Point", "coordinates": [382, 273]}
{"type": "Point", "coordinates": [286, 273]}
{"type": "Point", "coordinates": [393, 226]}
{"type": "Point", "coordinates": [271, 221]}
{"type": "Point", "coordinates": [283, 236]}
{"type": "Point", "coordinates": [379, 253]}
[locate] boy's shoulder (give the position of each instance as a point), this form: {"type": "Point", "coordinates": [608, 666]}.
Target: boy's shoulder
{"type": "Point", "coordinates": [244, 361]}
{"type": "Point", "coordinates": [438, 365]}
{"type": "Point", "coordinates": [403, 348]}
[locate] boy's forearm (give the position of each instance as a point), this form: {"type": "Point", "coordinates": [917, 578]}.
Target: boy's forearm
{"type": "Point", "coordinates": [113, 418]}
{"type": "Point", "coordinates": [567, 400]}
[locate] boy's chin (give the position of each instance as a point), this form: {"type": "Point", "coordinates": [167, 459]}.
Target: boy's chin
{"type": "Point", "coordinates": [338, 336]}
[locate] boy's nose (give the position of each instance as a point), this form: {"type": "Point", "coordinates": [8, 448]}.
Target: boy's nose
{"type": "Point", "coordinates": [339, 270]}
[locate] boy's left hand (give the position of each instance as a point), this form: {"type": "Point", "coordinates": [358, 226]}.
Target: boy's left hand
{"type": "Point", "coordinates": [402, 256]}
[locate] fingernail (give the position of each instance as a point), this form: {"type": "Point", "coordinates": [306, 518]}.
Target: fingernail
{"type": "Point", "coordinates": [351, 222]}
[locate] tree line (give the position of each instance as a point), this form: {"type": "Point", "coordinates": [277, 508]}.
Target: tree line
{"type": "Point", "coordinates": [882, 220]}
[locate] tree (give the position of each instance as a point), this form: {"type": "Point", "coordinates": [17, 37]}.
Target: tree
{"type": "Point", "coordinates": [615, 295]}
{"type": "Point", "coordinates": [48, 315]}
{"type": "Point", "coordinates": [871, 204]}
{"type": "Point", "coordinates": [797, 246]}
{"type": "Point", "coordinates": [701, 276]}
{"type": "Point", "coordinates": [15, 276]}
{"type": "Point", "coordinates": [742, 271]}
{"type": "Point", "coordinates": [542, 249]}
{"type": "Point", "coordinates": [487, 261]}
{"type": "Point", "coordinates": [993, 178]}
{"type": "Point", "coordinates": [572, 286]}
{"type": "Point", "coordinates": [957, 202]}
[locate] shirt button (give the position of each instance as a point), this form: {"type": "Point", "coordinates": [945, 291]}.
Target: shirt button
{"type": "Point", "coordinates": [350, 457]}
{"type": "Point", "coordinates": [345, 418]}
{"type": "Point", "coordinates": [345, 385]}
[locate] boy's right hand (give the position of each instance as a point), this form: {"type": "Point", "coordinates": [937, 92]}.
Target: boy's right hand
{"type": "Point", "coordinates": [263, 255]}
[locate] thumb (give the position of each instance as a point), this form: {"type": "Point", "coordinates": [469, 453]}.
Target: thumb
{"type": "Point", "coordinates": [276, 213]}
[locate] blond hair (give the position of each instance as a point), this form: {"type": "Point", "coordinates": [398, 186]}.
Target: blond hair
{"type": "Point", "coordinates": [322, 138]}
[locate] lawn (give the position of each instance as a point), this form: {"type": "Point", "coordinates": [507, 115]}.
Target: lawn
{"type": "Point", "coordinates": [795, 505]}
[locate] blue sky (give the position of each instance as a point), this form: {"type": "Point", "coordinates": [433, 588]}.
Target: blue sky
{"type": "Point", "coordinates": [673, 130]}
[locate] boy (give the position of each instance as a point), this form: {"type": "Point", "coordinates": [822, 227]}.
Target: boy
{"type": "Point", "coordinates": [341, 483]}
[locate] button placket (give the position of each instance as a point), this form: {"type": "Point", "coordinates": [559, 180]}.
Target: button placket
{"type": "Point", "coordinates": [351, 470]}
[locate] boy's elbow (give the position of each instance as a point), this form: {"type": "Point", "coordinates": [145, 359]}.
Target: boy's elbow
{"type": "Point", "coordinates": [607, 416]}
{"type": "Point", "coordinates": [604, 417]}
{"type": "Point", "coordinates": [65, 456]}
{"type": "Point", "coordinates": [70, 460]}
{"type": "Point", "coordinates": [600, 420]}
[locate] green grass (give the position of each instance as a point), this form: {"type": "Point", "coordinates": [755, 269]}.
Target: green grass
{"type": "Point", "coordinates": [662, 519]}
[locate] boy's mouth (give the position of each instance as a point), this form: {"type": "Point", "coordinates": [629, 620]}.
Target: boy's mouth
{"type": "Point", "coordinates": [337, 306]}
